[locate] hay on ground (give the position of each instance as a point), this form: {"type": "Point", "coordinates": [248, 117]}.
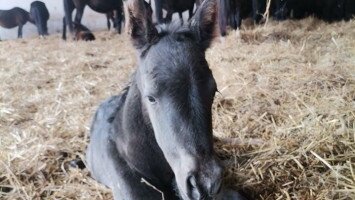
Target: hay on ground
{"type": "Point", "coordinates": [284, 118]}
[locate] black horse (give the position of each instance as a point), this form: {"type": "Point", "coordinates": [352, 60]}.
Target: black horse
{"type": "Point", "coordinates": [328, 10]}
{"type": "Point", "coordinates": [39, 15]}
{"type": "Point", "coordinates": [231, 12]}
{"type": "Point", "coordinates": [14, 17]}
{"type": "Point", "coordinates": [101, 6]}
{"type": "Point", "coordinates": [173, 6]}
{"type": "Point", "coordinates": [155, 139]}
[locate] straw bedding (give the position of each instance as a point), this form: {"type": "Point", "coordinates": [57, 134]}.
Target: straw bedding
{"type": "Point", "coordinates": [283, 120]}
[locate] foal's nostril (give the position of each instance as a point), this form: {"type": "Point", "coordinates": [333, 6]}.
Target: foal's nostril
{"type": "Point", "coordinates": [191, 182]}
{"type": "Point", "coordinates": [193, 191]}
{"type": "Point", "coordinates": [215, 188]}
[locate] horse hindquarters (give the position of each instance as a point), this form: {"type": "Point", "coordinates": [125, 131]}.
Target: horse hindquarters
{"type": "Point", "coordinates": [104, 161]}
{"type": "Point", "coordinates": [36, 16]}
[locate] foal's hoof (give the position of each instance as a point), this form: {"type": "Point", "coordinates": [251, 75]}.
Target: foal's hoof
{"type": "Point", "coordinates": [232, 195]}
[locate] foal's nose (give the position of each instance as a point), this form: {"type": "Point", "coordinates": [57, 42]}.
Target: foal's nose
{"type": "Point", "coordinates": [205, 184]}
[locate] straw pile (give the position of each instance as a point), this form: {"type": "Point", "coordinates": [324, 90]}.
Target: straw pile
{"type": "Point", "coordinates": [283, 121]}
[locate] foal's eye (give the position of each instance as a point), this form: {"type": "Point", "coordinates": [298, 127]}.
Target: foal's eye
{"type": "Point", "coordinates": [151, 99]}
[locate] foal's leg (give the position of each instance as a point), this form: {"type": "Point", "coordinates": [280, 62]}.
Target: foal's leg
{"type": "Point", "coordinates": [105, 162]}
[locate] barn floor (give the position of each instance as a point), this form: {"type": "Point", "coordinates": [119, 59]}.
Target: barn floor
{"type": "Point", "coordinates": [284, 120]}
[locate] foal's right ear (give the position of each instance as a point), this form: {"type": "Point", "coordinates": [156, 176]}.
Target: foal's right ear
{"type": "Point", "coordinates": [203, 23]}
{"type": "Point", "coordinates": [140, 25]}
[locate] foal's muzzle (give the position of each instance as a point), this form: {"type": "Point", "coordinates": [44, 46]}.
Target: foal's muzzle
{"type": "Point", "coordinates": [203, 190]}
{"type": "Point", "coordinates": [204, 183]}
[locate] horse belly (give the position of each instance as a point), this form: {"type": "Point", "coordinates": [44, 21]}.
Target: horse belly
{"type": "Point", "coordinates": [8, 20]}
{"type": "Point", "coordinates": [105, 6]}
{"type": "Point", "coordinates": [183, 5]}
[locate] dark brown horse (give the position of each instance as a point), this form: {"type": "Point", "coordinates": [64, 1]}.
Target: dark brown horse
{"type": "Point", "coordinates": [14, 17]}
{"type": "Point", "coordinates": [101, 6]}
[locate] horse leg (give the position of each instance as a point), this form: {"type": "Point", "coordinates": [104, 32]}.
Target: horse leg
{"type": "Point", "coordinates": [159, 11]}
{"type": "Point", "coordinates": [19, 34]}
{"type": "Point", "coordinates": [222, 17]}
{"type": "Point", "coordinates": [256, 10]}
{"type": "Point", "coordinates": [64, 36]}
{"type": "Point", "coordinates": [105, 162]}
{"type": "Point", "coordinates": [67, 20]}
{"type": "Point", "coordinates": [108, 21]}
{"type": "Point", "coordinates": [118, 20]}
{"type": "Point", "coordinates": [181, 18]}
{"type": "Point", "coordinates": [191, 12]}
{"type": "Point", "coordinates": [79, 14]}
{"type": "Point", "coordinates": [238, 18]}
{"type": "Point", "coordinates": [169, 16]}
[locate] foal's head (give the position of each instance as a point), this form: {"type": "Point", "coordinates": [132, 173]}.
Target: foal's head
{"type": "Point", "coordinates": [177, 90]}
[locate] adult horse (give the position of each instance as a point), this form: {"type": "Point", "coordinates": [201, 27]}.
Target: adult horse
{"type": "Point", "coordinates": [14, 17]}
{"type": "Point", "coordinates": [155, 139]}
{"type": "Point", "coordinates": [101, 6]}
{"type": "Point", "coordinates": [39, 15]}
{"type": "Point", "coordinates": [231, 12]}
{"type": "Point", "coordinates": [171, 7]}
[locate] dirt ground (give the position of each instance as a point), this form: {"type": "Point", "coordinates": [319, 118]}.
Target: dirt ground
{"type": "Point", "coordinates": [283, 120]}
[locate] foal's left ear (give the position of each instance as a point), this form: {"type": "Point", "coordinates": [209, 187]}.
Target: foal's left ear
{"type": "Point", "coordinates": [203, 23]}
{"type": "Point", "coordinates": [140, 24]}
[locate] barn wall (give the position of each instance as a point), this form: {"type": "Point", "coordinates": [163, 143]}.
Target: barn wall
{"type": "Point", "coordinates": [93, 20]}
